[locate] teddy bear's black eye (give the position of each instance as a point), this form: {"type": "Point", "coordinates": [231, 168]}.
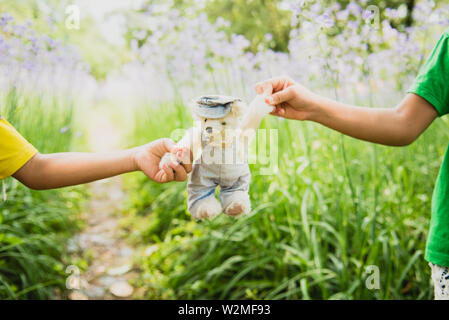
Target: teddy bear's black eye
{"type": "Point", "coordinates": [205, 120]}
{"type": "Point", "coordinates": [223, 123]}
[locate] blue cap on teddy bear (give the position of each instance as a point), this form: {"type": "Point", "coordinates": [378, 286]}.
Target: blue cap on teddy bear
{"type": "Point", "coordinates": [214, 106]}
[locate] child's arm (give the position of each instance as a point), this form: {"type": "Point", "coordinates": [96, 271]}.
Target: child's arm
{"type": "Point", "coordinates": [397, 126]}
{"type": "Point", "coordinates": [46, 171]}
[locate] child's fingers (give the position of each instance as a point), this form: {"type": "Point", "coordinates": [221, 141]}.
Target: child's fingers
{"type": "Point", "coordinates": [169, 174]}
{"type": "Point", "coordinates": [180, 172]}
{"type": "Point", "coordinates": [259, 88]}
{"type": "Point", "coordinates": [168, 144]}
{"type": "Point", "coordinates": [273, 85]}
{"type": "Point", "coordinates": [187, 165]}
{"type": "Point", "coordinates": [267, 88]}
{"type": "Point", "coordinates": [180, 153]}
{"type": "Point", "coordinates": [278, 111]}
{"type": "Point", "coordinates": [264, 87]}
{"type": "Point", "coordinates": [183, 154]}
{"type": "Point", "coordinates": [280, 97]}
{"type": "Point", "coordinates": [174, 150]}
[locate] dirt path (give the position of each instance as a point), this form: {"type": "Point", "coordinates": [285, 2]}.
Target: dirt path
{"type": "Point", "coordinates": [110, 260]}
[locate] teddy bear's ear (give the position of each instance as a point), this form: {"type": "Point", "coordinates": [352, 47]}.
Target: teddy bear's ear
{"type": "Point", "coordinates": [238, 108]}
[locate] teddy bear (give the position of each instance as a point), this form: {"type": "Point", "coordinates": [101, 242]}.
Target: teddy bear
{"type": "Point", "coordinates": [218, 144]}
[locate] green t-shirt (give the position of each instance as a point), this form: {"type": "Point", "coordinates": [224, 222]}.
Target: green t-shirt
{"type": "Point", "coordinates": [432, 84]}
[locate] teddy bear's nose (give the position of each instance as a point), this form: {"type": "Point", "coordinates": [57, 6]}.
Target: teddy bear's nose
{"type": "Point", "coordinates": [209, 129]}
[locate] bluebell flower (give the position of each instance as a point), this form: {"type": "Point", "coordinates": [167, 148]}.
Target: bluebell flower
{"type": "Point", "coordinates": [5, 18]}
{"type": "Point", "coordinates": [326, 21]}
{"type": "Point", "coordinates": [342, 15]}
{"type": "Point", "coordinates": [64, 130]}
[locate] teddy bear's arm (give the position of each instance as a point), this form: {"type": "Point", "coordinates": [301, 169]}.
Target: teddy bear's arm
{"type": "Point", "coordinates": [257, 110]}
{"type": "Point", "coordinates": [191, 141]}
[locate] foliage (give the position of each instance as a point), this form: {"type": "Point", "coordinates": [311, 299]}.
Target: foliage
{"type": "Point", "coordinates": [268, 23]}
{"type": "Point", "coordinates": [315, 226]}
{"type": "Point", "coordinates": [260, 21]}
{"type": "Point", "coordinates": [335, 205]}
{"type": "Point", "coordinates": [49, 18]}
{"type": "Point", "coordinates": [39, 78]}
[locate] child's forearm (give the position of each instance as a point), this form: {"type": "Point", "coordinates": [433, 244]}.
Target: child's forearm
{"type": "Point", "coordinates": [396, 127]}
{"type": "Point", "coordinates": [46, 171]}
{"type": "Point", "coordinates": [375, 125]}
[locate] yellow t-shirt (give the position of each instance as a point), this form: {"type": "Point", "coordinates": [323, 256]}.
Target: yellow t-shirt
{"type": "Point", "coordinates": [15, 151]}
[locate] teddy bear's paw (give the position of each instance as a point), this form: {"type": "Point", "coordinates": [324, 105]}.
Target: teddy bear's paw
{"type": "Point", "coordinates": [237, 208]}
{"type": "Point", "coordinates": [208, 209]}
{"type": "Point", "coordinates": [167, 159]}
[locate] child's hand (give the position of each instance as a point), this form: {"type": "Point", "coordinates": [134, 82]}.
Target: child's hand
{"type": "Point", "coordinates": [147, 159]}
{"type": "Point", "coordinates": [177, 155]}
{"type": "Point", "coordinates": [290, 99]}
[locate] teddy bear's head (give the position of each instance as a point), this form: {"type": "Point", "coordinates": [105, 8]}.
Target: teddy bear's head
{"type": "Point", "coordinates": [219, 117]}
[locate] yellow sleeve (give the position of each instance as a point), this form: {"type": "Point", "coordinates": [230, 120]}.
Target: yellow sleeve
{"type": "Point", "coordinates": [15, 151]}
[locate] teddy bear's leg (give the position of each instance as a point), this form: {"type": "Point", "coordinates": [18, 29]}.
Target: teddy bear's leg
{"type": "Point", "coordinates": [234, 192]}
{"type": "Point", "coordinates": [201, 193]}
{"type": "Point", "coordinates": [236, 203]}
{"type": "Point", "coordinates": [206, 208]}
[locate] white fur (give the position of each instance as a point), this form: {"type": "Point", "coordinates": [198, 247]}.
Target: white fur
{"type": "Point", "coordinates": [206, 208]}
{"type": "Point", "coordinates": [256, 111]}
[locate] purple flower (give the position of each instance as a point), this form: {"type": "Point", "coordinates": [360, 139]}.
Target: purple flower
{"type": "Point", "coordinates": [19, 30]}
{"type": "Point", "coordinates": [367, 14]}
{"type": "Point", "coordinates": [354, 8]}
{"type": "Point", "coordinates": [354, 25]}
{"type": "Point", "coordinates": [316, 8]}
{"type": "Point", "coordinates": [64, 130]}
{"type": "Point", "coordinates": [326, 21]}
{"type": "Point", "coordinates": [5, 18]}
{"type": "Point", "coordinates": [29, 65]}
{"type": "Point", "coordinates": [342, 15]}
{"type": "Point", "coordinates": [296, 7]}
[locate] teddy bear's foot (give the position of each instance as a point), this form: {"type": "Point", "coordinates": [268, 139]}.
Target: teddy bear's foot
{"type": "Point", "coordinates": [208, 208]}
{"type": "Point", "coordinates": [238, 207]}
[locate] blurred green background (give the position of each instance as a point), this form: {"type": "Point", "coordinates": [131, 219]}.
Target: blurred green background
{"type": "Point", "coordinates": [335, 206]}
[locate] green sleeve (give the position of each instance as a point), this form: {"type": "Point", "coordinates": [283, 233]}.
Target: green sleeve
{"type": "Point", "coordinates": [432, 82]}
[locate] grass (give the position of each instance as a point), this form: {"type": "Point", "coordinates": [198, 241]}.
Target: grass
{"type": "Point", "coordinates": [335, 207]}
{"type": "Point", "coordinates": [34, 226]}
